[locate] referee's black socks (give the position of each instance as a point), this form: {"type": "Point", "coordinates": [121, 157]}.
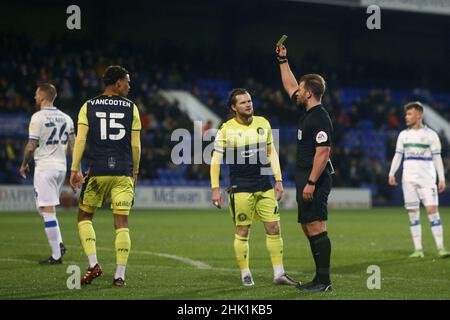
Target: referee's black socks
{"type": "Point", "coordinates": [321, 250]}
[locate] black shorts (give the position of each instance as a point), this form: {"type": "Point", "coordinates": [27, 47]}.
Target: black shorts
{"type": "Point", "coordinates": [315, 210]}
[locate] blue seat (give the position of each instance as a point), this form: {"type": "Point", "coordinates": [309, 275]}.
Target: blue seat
{"type": "Point", "coordinates": [367, 124]}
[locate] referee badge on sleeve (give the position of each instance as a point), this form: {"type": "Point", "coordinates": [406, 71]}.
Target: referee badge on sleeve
{"type": "Point", "coordinates": [299, 134]}
{"type": "Point", "coordinates": [321, 137]}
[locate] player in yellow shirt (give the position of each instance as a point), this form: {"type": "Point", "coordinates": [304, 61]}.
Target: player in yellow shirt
{"type": "Point", "coordinates": [247, 143]}
{"type": "Point", "coordinates": [110, 125]}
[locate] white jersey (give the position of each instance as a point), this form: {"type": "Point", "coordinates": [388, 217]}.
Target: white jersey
{"type": "Point", "coordinates": [418, 147]}
{"type": "Point", "coordinates": [51, 127]}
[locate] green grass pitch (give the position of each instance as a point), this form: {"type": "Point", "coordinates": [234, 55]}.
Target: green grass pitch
{"type": "Point", "coordinates": [188, 254]}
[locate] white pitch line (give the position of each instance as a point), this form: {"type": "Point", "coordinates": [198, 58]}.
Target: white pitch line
{"type": "Point", "coordinates": [17, 260]}
{"type": "Point", "coordinates": [196, 263]}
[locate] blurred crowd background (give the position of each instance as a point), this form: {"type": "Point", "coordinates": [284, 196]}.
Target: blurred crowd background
{"type": "Point", "coordinates": [365, 94]}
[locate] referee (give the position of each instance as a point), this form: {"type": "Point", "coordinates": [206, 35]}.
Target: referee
{"type": "Point", "coordinates": [314, 169]}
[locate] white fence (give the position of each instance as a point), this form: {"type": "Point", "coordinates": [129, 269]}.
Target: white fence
{"type": "Point", "coordinates": [21, 198]}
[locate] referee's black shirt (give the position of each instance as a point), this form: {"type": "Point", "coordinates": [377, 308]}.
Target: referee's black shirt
{"type": "Point", "coordinates": [314, 130]}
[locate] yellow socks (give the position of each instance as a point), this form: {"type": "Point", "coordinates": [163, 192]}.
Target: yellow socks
{"type": "Point", "coordinates": [123, 246]}
{"type": "Point", "coordinates": [274, 245]}
{"type": "Point", "coordinates": [241, 249]}
{"type": "Point", "coordinates": [87, 238]}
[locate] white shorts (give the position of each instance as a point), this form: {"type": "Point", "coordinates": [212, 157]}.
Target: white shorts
{"type": "Point", "coordinates": [414, 193]}
{"type": "Point", "coordinates": [47, 187]}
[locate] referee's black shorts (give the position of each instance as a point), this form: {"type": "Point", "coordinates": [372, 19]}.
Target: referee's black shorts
{"type": "Point", "coordinates": [315, 210]}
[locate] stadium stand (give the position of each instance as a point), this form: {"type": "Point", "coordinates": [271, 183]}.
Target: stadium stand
{"type": "Point", "coordinates": [365, 131]}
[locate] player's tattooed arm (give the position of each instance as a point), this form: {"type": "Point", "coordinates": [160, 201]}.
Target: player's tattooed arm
{"type": "Point", "coordinates": [29, 151]}
{"type": "Point", "coordinates": [27, 156]}
{"type": "Point", "coordinates": [71, 144]}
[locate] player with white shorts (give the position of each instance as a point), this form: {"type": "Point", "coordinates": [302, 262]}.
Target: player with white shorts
{"type": "Point", "coordinates": [420, 148]}
{"type": "Point", "coordinates": [47, 186]}
{"type": "Point", "coordinates": [50, 132]}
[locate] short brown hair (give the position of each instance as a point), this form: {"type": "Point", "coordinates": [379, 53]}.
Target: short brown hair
{"type": "Point", "coordinates": [49, 91]}
{"type": "Point", "coordinates": [417, 105]}
{"type": "Point", "coordinates": [315, 83]}
{"type": "Point", "coordinates": [232, 96]}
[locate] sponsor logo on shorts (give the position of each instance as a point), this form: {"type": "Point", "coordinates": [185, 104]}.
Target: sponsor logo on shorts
{"type": "Point", "coordinates": [123, 204]}
{"type": "Point", "coordinates": [299, 134]}
{"type": "Point", "coordinates": [242, 216]}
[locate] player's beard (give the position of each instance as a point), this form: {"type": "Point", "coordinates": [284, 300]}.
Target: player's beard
{"type": "Point", "coordinates": [243, 115]}
{"type": "Point", "coordinates": [302, 103]}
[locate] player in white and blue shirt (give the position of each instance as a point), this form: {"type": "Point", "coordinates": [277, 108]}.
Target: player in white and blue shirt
{"type": "Point", "coordinates": [420, 148]}
{"type": "Point", "coordinates": [51, 131]}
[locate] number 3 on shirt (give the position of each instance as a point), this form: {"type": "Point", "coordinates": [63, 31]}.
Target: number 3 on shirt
{"type": "Point", "coordinates": [112, 125]}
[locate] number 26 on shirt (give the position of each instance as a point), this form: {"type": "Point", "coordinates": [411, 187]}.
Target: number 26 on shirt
{"type": "Point", "coordinates": [63, 135]}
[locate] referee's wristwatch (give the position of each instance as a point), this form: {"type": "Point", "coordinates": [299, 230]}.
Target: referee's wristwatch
{"type": "Point", "coordinates": [310, 182]}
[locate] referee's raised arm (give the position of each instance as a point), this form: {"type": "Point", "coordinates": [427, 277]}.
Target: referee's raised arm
{"type": "Point", "coordinates": [290, 84]}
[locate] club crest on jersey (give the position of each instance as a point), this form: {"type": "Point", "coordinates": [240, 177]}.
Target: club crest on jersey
{"type": "Point", "coordinates": [260, 131]}
{"type": "Point", "coordinates": [111, 162]}
{"type": "Point", "coordinates": [321, 137]}
{"type": "Point", "coordinates": [299, 134]}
